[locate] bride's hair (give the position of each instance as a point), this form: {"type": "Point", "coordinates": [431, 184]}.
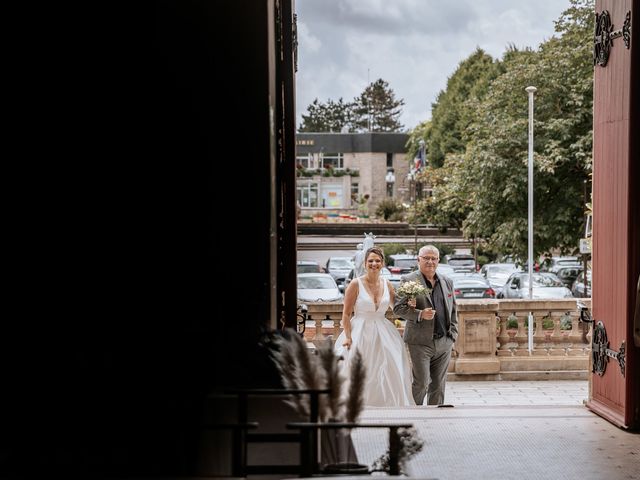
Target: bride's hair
{"type": "Point", "coordinates": [377, 251]}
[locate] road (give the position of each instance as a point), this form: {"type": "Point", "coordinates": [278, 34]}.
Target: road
{"type": "Point", "coordinates": [321, 256]}
{"type": "Point", "coordinates": [320, 248]}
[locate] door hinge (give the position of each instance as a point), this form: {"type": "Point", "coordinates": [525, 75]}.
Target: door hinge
{"type": "Point", "coordinates": [604, 35]}
{"type": "Point", "coordinates": [601, 353]}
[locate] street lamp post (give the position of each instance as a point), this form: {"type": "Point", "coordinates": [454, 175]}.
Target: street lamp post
{"type": "Point", "coordinates": [411, 177]}
{"type": "Point", "coordinates": [530, 91]}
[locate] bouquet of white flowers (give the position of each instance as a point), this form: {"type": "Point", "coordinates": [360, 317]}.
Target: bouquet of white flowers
{"type": "Point", "coordinates": [412, 289]}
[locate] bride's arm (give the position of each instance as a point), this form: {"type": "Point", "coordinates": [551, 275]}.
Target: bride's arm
{"type": "Point", "coordinates": [392, 293]}
{"type": "Point", "coordinates": [347, 310]}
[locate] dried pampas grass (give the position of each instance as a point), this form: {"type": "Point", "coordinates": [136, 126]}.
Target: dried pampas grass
{"type": "Point", "coordinates": [355, 400]}
{"type": "Point", "coordinates": [333, 380]}
{"type": "Point", "coordinates": [296, 366]}
{"type": "Point", "coordinates": [301, 369]}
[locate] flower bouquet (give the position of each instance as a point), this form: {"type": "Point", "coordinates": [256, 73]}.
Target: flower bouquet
{"type": "Point", "coordinates": [412, 289]}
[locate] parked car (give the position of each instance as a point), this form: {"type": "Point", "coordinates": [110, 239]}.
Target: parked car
{"type": "Point", "coordinates": [545, 285]}
{"type": "Point", "coordinates": [401, 264]}
{"type": "Point", "coordinates": [308, 266]}
{"type": "Point", "coordinates": [446, 270]}
{"type": "Point", "coordinates": [471, 285]}
{"type": "Point", "coordinates": [384, 273]}
{"type": "Point", "coordinates": [498, 273]}
{"type": "Point", "coordinates": [339, 268]}
{"type": "Point", "coordinates": [568, 275]}
{"type": "Point", "coordinates": [554, 263]}
{"type": "Point", "coordinates": [317, 287]}
{"type": "Point", "coordinates": [461, 262]}
{"type": "Point", "coordinates": [578, 288]}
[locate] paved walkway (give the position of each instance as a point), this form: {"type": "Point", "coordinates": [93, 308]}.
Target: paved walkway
{"type": "Point", "coordinates": [548, 392]}
{"type": "Point", "coordinates": [510, 430]}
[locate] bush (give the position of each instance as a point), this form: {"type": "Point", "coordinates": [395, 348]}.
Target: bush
{"type": "Point", "coordinates": [565, 322]}
{"type": "Point", "coordinates": [387, 207]}
{"type": "Point", "coordinates": [482, 259]}
{"type": "Point", "coordinates": [397, 217]}
{"type": "Point", "coordinates": [547, 324]}
{"type": "Point", "coordinates": [526, 323]}
{"type": "Point", "coordinates": [486, 252]}
{"type": "Point", "coordinates": [512, 321]}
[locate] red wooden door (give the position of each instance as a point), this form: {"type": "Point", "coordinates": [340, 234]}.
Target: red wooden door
{"type": "Point", "coordinates": [616, 215]}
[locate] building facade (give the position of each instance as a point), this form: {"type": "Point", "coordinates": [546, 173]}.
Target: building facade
{"type": "Point", "coordinates": [350, 173]}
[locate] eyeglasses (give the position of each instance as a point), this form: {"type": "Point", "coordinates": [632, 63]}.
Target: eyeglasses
{"type": "Point", "coordinates": [427, 259]}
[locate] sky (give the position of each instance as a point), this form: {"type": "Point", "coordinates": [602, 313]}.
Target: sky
{"type": "Point", "coordinates": [414, 45]}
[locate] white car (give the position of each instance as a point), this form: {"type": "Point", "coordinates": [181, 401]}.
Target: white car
{"type": "Point", "coordinates": [317, 287]}
{"type": "Point", "coordinates": [545, 285]}
{"type": "Point", "coordinates": [497, 274]}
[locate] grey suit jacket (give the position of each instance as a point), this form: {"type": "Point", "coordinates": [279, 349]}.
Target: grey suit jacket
{"type": "Point", "coordinates": [421, 332]}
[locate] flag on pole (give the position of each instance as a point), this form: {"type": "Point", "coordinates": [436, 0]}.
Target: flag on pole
{"type": "Point", "coordinates": [419, 160]}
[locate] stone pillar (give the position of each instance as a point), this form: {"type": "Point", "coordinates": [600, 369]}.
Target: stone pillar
{"type": "Point", "coordinates": [476, 345]}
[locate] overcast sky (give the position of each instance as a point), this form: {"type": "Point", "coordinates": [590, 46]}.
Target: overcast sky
{"type": "Point", "coordinates": [415, 45]}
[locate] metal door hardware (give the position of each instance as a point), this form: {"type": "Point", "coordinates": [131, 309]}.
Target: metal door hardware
{"type": "Point", "coordinates": [301, 320]}
{"type": "Point", "coordinates": [601, 352]}
{"type": "Point", "coordinates": [604, 35]}
{"type": "Point", "coordinates": [585, 314]}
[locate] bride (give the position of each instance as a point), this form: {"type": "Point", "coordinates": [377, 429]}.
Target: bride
{"type": "Point", "coordinates": [388, 379]}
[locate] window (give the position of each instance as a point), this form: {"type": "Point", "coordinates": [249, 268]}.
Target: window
{"type": "Point", "coordinates": [331, 196]}
{"type": "Point", "coordinates": [332, 160]}
{"type": "Point", "coordinates": [304, 160]}
{"type": "Point", "coordinates": [355, 190]}
{"type": "Point", "coordinates": [389, 160]}
{"type": "Point", "coordinates": [307, 194]}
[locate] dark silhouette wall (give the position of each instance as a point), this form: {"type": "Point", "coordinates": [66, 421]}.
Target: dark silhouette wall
{"type": "Point", "coordinates": [174, 113]}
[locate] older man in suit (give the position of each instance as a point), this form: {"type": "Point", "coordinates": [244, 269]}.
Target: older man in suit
{"type": "Point", "coordinates": [431, 327]}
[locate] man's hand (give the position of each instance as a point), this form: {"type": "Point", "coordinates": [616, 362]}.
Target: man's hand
{"type": "Point", "coordinates": [428, 314]}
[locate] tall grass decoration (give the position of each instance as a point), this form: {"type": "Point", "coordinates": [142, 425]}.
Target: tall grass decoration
{"type": "Point", "coordinates": [355, 400]}
{"type": "Point", "coordinates": [301, 369]}
{"type": "Point", "coordinates": [333, 380]}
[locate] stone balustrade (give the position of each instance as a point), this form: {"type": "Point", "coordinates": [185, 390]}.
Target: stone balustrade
{"type": "Point", "coordinates": [487, 349]}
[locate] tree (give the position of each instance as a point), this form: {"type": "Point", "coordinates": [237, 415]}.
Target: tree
{"type": "Point", "coordinates": [377, 110]}
{"type": "Point", "coordinates": [451, 112]}
{"type": "Point", "coordinates": [377, 102]}
{"type": "Point", "coordinates": [496, 158]}
{"type": "Point", "coordinates": [484, 185]}
{"type": "Point", "coordinates": [451, 199]}
{"type": "Point", "coordinates": [327, 117]}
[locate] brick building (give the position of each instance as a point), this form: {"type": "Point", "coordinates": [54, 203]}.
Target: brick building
{"type": "Point", "coordinates": [336, 170]}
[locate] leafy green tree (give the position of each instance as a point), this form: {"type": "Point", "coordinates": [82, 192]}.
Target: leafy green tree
{"type": "Point", "coordinates": [450, 201]}
{"type": "Point", "coordinates": [451, 112]}
{"type": "Point", "coordinates": [496, 158]}
{"type": "Point", "coordinates": [377, 109]}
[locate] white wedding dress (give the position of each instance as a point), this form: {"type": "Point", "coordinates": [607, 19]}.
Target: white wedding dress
{"type": "Point", "coordinates": [388, 379]}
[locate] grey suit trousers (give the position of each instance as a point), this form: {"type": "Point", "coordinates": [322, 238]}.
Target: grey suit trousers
{"type": "Point", "coordinates": [429, 364]}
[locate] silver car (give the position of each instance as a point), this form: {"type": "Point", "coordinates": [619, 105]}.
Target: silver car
{"type": "Point", "coordinates": [497, 274]}
{"type": "Point", "coordinates": [471, 285]}
{"type": "Point", "coordinates": [339, 268]}
{"type": "Point", "coordinates": [317, 287]}
{"type": "Point", "coordinates": [545, 285]}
